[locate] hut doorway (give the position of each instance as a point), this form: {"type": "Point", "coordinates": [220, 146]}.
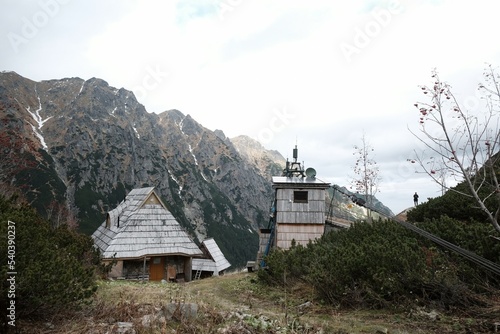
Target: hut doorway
{"type": "Point", "coordinates": [156, 269]}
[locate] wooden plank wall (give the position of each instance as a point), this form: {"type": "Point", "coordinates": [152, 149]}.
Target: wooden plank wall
{"type": "Point", "coordinates": [116, 270]}
{"type": "Point", "coordinates": [302, 233]}
{"type": "Point", "coordinates": [299, 221]}
{"type": "Point", "coordinates": [312, 212]}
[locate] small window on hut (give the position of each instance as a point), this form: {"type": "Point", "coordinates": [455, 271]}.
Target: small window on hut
{"type": "Point", "coordinates": [300, 196]}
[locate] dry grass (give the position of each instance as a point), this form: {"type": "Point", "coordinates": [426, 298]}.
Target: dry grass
{"type": "Point", "coordinates": [237, 303]}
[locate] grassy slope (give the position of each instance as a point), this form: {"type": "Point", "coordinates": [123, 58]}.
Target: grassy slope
{"type": "Point", "coordinates": [237, 303]}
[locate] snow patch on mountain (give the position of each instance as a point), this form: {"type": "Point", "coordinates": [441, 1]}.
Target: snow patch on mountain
{"type": "Point", "coordinates": [81, 88]}
{"type": "Point", "coordinates": [40, 137]}
{"type": "Point", "coordinates": [39, 121]}
{"type": "Point", "coordinates": [194, 156]}
{"type": "Point", "coordinates": [175, 180]}
{"type": "Point", "coordinates": [136, 133]}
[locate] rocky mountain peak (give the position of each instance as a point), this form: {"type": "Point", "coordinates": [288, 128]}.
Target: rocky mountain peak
{"type": "Point", "coordinates": [173, 114]}
{"type": "Point", "coordinates": [97, 82]}
{"type": "Point", "coordinates": [268, 162]}
{"type": "Point", "coordinates": [220, 134]}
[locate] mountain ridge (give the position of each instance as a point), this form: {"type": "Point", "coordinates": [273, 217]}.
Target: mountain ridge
{"type": "Point", "coordinates": [84, 144]}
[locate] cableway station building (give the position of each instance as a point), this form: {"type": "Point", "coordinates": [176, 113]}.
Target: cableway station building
{"type": "Point", "coordinates": [298, 212]}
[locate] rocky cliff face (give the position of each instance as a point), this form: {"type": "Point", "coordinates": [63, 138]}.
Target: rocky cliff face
{"type": "Point", "coordinates": [269, 163]}
{"type": "Point", "coordinates": [86, 144]}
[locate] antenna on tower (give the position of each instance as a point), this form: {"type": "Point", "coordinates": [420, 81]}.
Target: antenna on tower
{"type": "Point", "coordinates": [294, 168]}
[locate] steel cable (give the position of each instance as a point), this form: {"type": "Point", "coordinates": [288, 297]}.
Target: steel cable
{"type": "Point", "coordinates": [480, 261]}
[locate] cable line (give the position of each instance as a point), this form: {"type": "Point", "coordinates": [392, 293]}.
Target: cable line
{"type": "Point", "coordinates": [473, 257]}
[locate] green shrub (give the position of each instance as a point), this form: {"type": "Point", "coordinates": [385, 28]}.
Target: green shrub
{"type": "Point", "coordinates": [460, 206]}
{"type": "Point", "coordinates": [473, 236]}
{"type": "Point", "coordinates": [374, 266]}
{"type": "Point", "coordinates": [451, 204]}
{"type": "Point", "coordinates": [56, 268]}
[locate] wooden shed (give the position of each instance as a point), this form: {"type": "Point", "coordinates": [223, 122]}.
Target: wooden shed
{"type": "Point", "coordinates": [145, 240]}
{"type": "Point", "coordinates": [214, 262]}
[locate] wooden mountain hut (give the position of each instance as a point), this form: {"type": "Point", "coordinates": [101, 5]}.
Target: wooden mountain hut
{"type": "Point", "coordinates": [145, 240]}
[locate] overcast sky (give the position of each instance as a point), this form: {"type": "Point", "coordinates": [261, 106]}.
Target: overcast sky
{"type": "Point", "coordinates": [314, 73]}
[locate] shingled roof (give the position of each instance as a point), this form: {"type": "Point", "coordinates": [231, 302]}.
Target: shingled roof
{"type": "Point", "coordinates": [217, 261]}
{"type": "Point", "coordinates": [142, 226]}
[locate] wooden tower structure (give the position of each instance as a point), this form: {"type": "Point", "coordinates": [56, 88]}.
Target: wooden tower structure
{"type": "Point", "coordinates": [298, 212]}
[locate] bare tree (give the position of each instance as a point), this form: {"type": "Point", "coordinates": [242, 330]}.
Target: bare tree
{"type": "Point", "coordinates": [367, 173]}
{"type": "Point", "coordinates": [58, 214]}
{"type": "Point", "coordinates": [463, 143]}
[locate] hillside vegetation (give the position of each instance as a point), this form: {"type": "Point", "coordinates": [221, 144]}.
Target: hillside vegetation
{"type": "Point", "coordinates": [50, 269]}
{"type": "Point", "coordinates": [383, 266]}
{"type": "Point", "coordinates": [371, 278]}
{"type": "Point", "coordinates": [240, 303]}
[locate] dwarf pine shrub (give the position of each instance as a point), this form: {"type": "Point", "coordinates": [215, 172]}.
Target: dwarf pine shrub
{"type": "Point", "coordinates": [55, 268]}
{"type": "Point", "coordinates": [372, 265]}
